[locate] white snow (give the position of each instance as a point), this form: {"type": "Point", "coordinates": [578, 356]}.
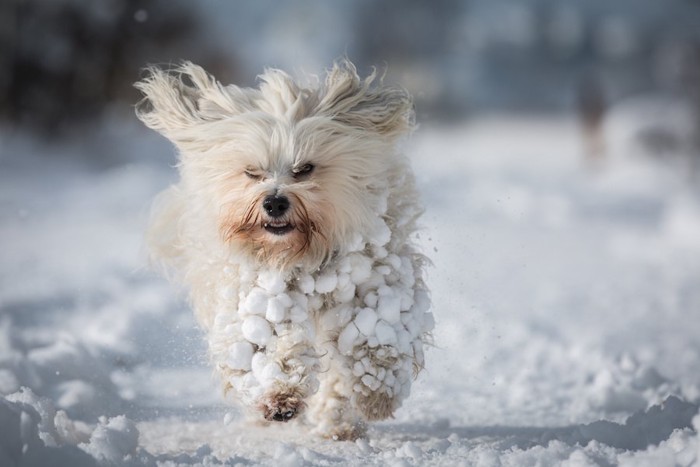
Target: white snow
{"type": "Point", "coordinates": [257, 330]}
{"type": "Point", "coordinates": [565, 298]}
{"type": "Point", "coordinates": [366, 320]}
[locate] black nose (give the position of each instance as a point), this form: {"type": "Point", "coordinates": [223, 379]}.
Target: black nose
{"type": "Point", "coordinates": [276, 205]}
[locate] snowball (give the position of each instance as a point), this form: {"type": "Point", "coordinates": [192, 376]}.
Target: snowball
{"type": "Point", "coordinates": [371, 382]}
{"type": "Point", "coordinates": [421, 301]}
{"type": "Point", "coordinates": [358, 369]}
{"type": "Point", "coordinates": [277, 308]}
{"type": "Point", "coordinates": [356, 243]}
{"type": "Point", "coordinates": [343, 280]}
{"type": "Point", "coordinates": [386, 335]}
{"type": "Point", "coordinates": [257, 330]}
{"type": "Point", "coordinates": [345, 293]}
{"type": "Point", "coordinates": [394, 261]}
{"type": "Point", "coordinates": [315, 302]}
{"type": "Point", "coordinates": [270, 373]}
{"type": "Point", "coordinates": [240, 355]}
{"type": "Point", "coordinates": [406, 301]}
{"type": "Point", "coordinates": [348, 338]}
{"type": "Point", "coordinates": [361, 268]}
{"type": "Point", "coordinates": [365, 321]}
{"type": "Point", "coordinates": [306, 284]}
{"type": "Point", "coordinates": [258, 362]}
{"type": "Point", "coordinates": [272, 281]}
{"type": "Point", "coordinates": [297, 298]}
{"type": "Point", "coordinates": [383, 269]}
{"type": "Point", "coordinates": [389, 378]}
{"type": "Point", "coordinates": [381, 234]}
{"type": "Point", "coordinates": [326, 282]}
{"type": "Point", "coordinates": [404, 342]}
{"type": "Point", "coordinates": [371, 299]}
{"type": "Point", "coordinates": [379, 252]}
{"type": "Point", "coordinates": [255, 303]}
{"type": "Point", "coordinates": [389, 308]}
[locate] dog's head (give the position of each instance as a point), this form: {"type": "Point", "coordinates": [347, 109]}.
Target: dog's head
{"type": "Point", "coordinates": [292, 174]}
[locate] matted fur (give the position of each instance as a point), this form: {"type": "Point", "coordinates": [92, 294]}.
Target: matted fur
{"type": "Point", "coordinates": [238, 146]}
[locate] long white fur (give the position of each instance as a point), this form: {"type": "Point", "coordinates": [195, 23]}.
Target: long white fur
{"type": "Point", "coordinates": [361, 189]}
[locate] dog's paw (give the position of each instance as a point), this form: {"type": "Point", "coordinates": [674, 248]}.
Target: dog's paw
{"type": "Point", "coordinates": [376, 406]}
{"type": "Point", "coordinates": [282, 404]}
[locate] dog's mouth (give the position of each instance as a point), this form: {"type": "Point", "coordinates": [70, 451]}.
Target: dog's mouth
{"type": "Point", "coordinates": [278, 227]}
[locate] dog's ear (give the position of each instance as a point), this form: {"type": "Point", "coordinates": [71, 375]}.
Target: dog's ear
{"type": "Point", "coordinates": [178, 100]}
{"type": "Point", "coordinates": [361, 104]}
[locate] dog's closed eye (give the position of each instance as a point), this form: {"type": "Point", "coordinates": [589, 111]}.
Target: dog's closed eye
{"type": "Point", "coordinates": [253, 174]}
{"type": "Point", "coordinates": [303, 171]}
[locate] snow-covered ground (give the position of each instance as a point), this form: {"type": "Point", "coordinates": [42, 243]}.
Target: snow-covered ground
{"type": "Point", "coordinates": [566, 299]}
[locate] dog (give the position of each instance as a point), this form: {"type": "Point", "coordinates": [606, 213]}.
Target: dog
{"type": "Point", "coordinates": [294, 227]}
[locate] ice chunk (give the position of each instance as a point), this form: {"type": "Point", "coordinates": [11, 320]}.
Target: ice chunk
{"type": "Point", "coordinates": [371, 299]}
{"type": "Point", "coordinates": [358, 370]}
{"type": "Point", "coordinates": [371, 382]}
{"type": "Point", "coordinates": [270, 373]}
{"type": "Point", "coordinates": [389, 308]}
{"type": "Point", "coordinates": [406, 301]}
{"type": "Point", "coordinates": [421, 301]}
{"type": "Point", "coordinates": [257, 330]}
{"type": "Point", "coordinates": [386, 335]}
{"type": "Point", "coordinates": [361, 268]}
{"type": "Point", "coordinates": [306, 284]}
{"type": "Point", "coordinates": [343, 280]}
{"type": "Point", "coordinates": [383, 269]}
{"type": "Point", "coordinates": [277, 308]}
{"type": "Point", "coordinates": [255, 303]}
{"type": "Point", "coordinates": [272, 281]}
{"type": "Point", "coordinates": [240, 355]}
{"type": "Point", "coordinates": [381, 234]}
{"type": "Point", "coordinates": [348, 338]}
{"type": "Point", "coordinates": [346, 293]}
{"type": "Point", "coordinates": [428, 322]}
{"type": "Point", "coordinates": [296, 298]}
{"type": "Point", "coordinates": [365, 321]}
{"type": "Point", "coordinates": [404, 342]}
{"type": "Point", "coordinates": [326, 282]}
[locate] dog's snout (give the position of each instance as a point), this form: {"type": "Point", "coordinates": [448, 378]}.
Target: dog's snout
{"type": "Point", "coordinates": [276, 205]}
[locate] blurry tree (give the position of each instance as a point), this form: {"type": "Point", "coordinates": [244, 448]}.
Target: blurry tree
{"type": "Point", "coordinates": [64, 61]}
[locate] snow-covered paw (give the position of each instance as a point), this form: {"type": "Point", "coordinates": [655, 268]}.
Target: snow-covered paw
{"type": "Point", "coordinates": [376, 406]}
{"type": "Point", "coordinates": [282, 405]}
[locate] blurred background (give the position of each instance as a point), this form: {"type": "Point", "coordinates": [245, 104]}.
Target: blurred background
{"type": "Point", "coordinates": [65, 64]}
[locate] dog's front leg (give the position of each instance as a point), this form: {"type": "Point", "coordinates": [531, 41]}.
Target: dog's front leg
{"type": "Point", "coordinates": [264, 352]}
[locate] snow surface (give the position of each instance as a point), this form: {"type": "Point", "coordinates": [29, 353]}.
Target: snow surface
{"type": "Point", "coordinates": [566, 300]}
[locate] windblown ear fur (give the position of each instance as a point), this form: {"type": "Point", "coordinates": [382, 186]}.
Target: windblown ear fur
{"type": "Point", "coordinates": [177, 100]}
{"type": "Point", "coordinates": [359, 103]}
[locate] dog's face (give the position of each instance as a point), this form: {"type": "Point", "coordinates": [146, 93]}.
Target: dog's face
{"type": "Point", "coordinates": [291, 174]}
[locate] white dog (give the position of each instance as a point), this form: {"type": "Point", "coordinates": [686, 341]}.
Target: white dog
{"type": "Point", "coordinates": [293, 227]}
